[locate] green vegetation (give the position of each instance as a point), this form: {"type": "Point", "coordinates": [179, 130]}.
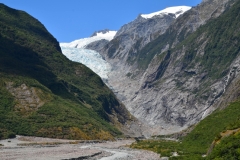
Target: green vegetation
{"type": "Point", "coordinates": [72, 101]}
{"type": "Point", "coordinates": [197, 142]}
{"type": "Point", "coordinates": [147, 53]}
{"type": "Point", "coordinates": [221, 36]}
{"type": "Point", "coordinates": [228, 148]}
{"type": "Point", "coordinates": [163, 147]}
{"type": "Point", "coordinates": [57, 118]}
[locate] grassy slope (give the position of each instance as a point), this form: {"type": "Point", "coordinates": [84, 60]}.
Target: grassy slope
{"type": "Point", "coordinates": [81, 106]}
{"type": "Point", "coordinates": [56, 118]}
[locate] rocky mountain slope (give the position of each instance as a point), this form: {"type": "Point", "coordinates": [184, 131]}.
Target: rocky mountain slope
{"type": "Point", "coordinates": [42, 93]}
{"type": "Point", "coordinates": [135, 35]}
{"type": "Point", "coordinates": [172, 76]}
{"type": "Point", "coordinates": [211, 52]}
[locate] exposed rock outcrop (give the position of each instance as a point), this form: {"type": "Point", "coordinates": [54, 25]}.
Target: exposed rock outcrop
{"type": "Point", "coordinates": [135, 35]}
{"type": "Point", "coordinates": [28, 98]}
{"type": "Point", "coordinates": [97, 45]}
{"type": "Point", "coordinates": [104, 31]}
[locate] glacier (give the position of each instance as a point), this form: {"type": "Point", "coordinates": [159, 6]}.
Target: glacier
{"type": "Point", "coordinates": [90, 58]}
{"type": "Point", "coordinates": [76, 51]}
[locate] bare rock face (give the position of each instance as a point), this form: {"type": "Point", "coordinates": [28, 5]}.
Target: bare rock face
{"type": "Point", "coordinates": [97, 45]}
{"type": "Point", "coordinates": [164, 84]}
{"type": "Point", "coordinates": [135, 35]}
{"type": "Point", "coordinates": [101, 31]}
{"type": "Point", "coordinates": [231, 91]}
{"type": "Point", "coordinates": [27, 98]}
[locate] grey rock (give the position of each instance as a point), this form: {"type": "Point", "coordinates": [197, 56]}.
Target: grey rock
{"type": "Point", "coordinates": [101, 31]}
{"type": "Point", "coordinates": [97, 45]}
{"type": "Point", "coordinates": [166, 96]}
{"type": "Point", "coordinates": [133, 36]}
{"type": "Point", "coordinates": [27, 98]}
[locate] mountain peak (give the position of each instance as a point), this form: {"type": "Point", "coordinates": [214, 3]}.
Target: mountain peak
{"type": "Point", "coordinates": [104, 31]}
{"type": "Point", "coordinates": [96, 36]}
{"type": "Point", "coordinates": [177, 10]}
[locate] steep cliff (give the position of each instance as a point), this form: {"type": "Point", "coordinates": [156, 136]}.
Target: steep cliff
{"type": "Point", "coordinates": [173, 80]}
{"type": "Point", "coordinates": [135, 35]}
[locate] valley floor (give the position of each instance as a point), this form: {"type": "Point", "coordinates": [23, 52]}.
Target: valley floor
{"type": "Point", "coordinates": [29, 148]}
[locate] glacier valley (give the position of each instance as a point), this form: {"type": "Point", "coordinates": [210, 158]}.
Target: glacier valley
{"type": "Point", "coordinates": [77, 52]}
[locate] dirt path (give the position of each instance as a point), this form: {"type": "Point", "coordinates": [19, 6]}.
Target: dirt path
{"type": "Point", "coordinates": [35, 148]}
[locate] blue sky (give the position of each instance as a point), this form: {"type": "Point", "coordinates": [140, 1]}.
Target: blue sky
{"type": "Point", "coordinates": [68, 20]}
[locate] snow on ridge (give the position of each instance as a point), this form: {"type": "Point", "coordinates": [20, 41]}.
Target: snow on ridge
{"type": "Point", "coordinates": [82, 43]}
{"type": "Point", "coordinates": [108, 36]}
{"type": "Point", "coordinates": [178, 10]}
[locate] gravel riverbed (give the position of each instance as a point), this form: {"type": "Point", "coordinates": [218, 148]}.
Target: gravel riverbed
{"type": "Point", "coordinates": [36, 148]}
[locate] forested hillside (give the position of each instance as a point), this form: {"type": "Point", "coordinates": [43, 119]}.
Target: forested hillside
{"type": "Point", "coordinates": [42, 93]}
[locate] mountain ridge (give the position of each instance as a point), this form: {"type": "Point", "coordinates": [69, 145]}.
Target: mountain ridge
{"type": "Point", "coordinates": [177, 11]}
{"type": "Point", "coordinates": [148, 69]}
{"type": "Point", "coordinates": [99, 35]}
{"type": "Point", "coordinates": [45, 94]}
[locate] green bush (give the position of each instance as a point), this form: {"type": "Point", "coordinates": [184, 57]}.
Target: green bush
{"type": "Point", "coordinates": [197, 142]}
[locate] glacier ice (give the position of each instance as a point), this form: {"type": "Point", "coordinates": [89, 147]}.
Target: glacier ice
{"type": "Point", "coordinates": [90, 58]}
{"type": "Point", "coordinates": [76, 52]}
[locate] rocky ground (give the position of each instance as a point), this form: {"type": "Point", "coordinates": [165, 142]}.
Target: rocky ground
{"type": "Point", "coordinates": [35, 148]}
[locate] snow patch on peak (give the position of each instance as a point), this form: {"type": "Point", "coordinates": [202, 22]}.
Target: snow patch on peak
{"type": "Point", "coordinates": [108, 36]}
{"type": "Point", "coordinates": [82, 43]}
{"type": "Point", "coordinates": [178, 10]}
